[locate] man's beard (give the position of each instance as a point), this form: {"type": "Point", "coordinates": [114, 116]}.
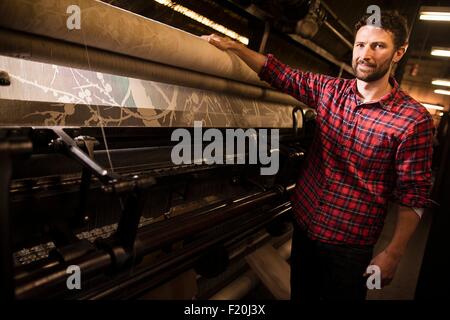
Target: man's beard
{"type": "Point", "coordinates": [373, 74]}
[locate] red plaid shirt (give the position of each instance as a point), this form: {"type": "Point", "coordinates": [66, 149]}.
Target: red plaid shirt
{"type": "Point", "coordinates": [362, 155]}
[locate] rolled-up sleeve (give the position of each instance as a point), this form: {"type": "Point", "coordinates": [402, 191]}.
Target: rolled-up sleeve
{"type": "Point", "coordinates": [306, 87]}
{"type": "Point", "coordinates": [413, 165]}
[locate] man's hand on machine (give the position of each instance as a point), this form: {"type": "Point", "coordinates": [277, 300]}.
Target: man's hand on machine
{"type": "Point", "coordinates": [252, 58]}
{"type": "Point", "coordinates": [222, 43]}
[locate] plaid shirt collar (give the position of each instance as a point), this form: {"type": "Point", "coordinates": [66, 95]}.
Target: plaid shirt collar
{"type": "Point", "coordinates": [387, 102]}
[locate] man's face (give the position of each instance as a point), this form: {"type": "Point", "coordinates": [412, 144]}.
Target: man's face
{"type": "Point", "coordinates": [373, 53]}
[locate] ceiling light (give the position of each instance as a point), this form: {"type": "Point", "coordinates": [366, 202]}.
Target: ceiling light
{"type": "Point", "coordinates": [433, 106]}
{"type": "Point", "coordinates": [435, 13]}
{"type": "Point", "coordinates": [203, 20]}
{"type": "Point", "coordinates": [441, 82]}
{"type": "Point", "coordinates": [441, 91]}
{"type": "Point", "coordinates": [441, 52]}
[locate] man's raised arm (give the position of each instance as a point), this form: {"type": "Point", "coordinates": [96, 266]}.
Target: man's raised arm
{"type": "Point", "coordinates": [306, 87]}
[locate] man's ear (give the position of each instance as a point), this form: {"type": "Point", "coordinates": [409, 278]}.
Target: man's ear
{"type": "Point", "coordinates": [400, 52]}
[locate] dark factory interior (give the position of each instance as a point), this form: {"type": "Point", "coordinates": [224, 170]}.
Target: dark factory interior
{"type": "Point", "coordinates": [170, 150]}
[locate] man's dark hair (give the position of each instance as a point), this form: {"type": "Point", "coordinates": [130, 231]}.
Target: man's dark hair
{"type": "Point", "coordinates": [391, 21]}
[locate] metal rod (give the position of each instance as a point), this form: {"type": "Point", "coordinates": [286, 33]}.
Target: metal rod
{"type": "Point", "coordinates": [321, 52]}
{"type": "Point", "coordinates": [56, 276]}
{"type": "Point", "coordinates": [66, 54]}
{"type": "Point", "coordinates": [204, 219]}
{"type": "Point", "coordinates": [83, 158]}
{"type": "Point", "coordinates": [262, 47]}
{"type": "Point", "coordinates": [335, 17]}
{"type": "Point", "coordinates": [340, 36]}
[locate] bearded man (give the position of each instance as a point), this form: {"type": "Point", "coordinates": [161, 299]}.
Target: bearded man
{"type": "Point", "coordinates": [373, 143]}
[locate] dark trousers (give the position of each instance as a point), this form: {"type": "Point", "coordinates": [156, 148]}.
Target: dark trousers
{"type": "Point", "coordinates": [321, 271]}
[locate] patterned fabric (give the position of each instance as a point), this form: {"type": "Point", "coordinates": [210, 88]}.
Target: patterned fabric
{"type": "Point", "coordinates": [55, 95]}
{"type": "Point", "coordinates": [362, 155]}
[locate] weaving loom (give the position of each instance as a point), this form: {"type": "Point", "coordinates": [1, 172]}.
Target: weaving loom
{"type": "Point", "coordinates": [87, 177]}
